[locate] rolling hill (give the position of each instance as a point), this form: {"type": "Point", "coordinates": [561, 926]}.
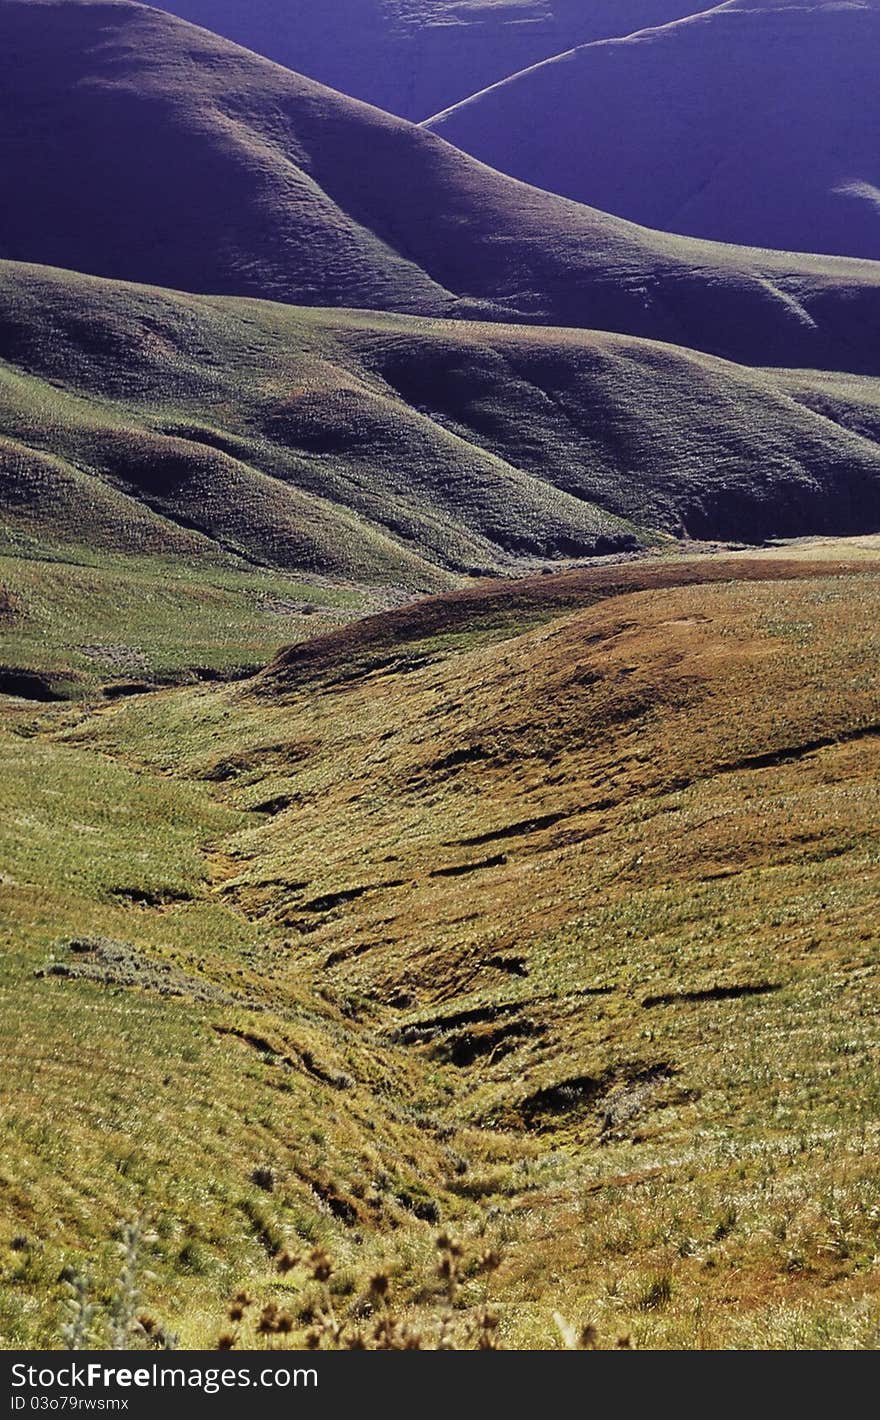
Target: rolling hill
{"type": "Point", "coordinates": [547, 919]}
{"type": "Point", "coordinates": [491, 967]}
{"type": "Point", "coordinates": [141, 148]}
{"type": "Point", "coordinates": [747, 125]}
{"type": "Point", "coordinates": [413, 57]}
{"type": "Point", "coordinates": [395, 449]}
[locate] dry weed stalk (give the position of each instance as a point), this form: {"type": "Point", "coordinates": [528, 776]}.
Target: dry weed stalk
{"type": "Point", "coordinates": [456, 1327]}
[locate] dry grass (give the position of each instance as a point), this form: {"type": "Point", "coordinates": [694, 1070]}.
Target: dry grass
{"type": "Point", "coordinates": [565, 934]}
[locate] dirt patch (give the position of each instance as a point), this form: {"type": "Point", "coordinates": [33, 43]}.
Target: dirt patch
{"type": "Point", "coordinates": [355, 949]}
{"type": "Point", "coordinates": [786, 754]}
{"type": "Point", "coordinates": [121, 689]}
{"type": "Point", "coordinates": [378, 668]}
{"type": "Point", "coordinates": [330, 900]}
{"type": "Point", "coordinates": [117, 657]}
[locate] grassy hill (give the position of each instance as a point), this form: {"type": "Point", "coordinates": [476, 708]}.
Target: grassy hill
{"type": "Point", "coordinates": [748, 125]}
{"type": "Point", "coordinates": [141, 148]}
{"type": "Point", "coordinates": [414, 57]}
{"type": "Point", "coordinates": [391, 450]}
{"type": "Point", "coordinates": [547, 918]}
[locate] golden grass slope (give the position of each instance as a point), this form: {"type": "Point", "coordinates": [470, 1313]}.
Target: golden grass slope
{"type": "Point", "coordinates": [579, 893]}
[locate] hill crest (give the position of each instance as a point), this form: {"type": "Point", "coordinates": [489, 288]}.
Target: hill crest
{"type": "Point", "coordinates": [144, 149]}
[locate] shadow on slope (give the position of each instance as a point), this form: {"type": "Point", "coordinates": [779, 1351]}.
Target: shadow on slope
{"type": "Point", "coordinates": [415, 59]}
{"type": "Point", "coordinates": [756, 126]}
{"type": "Point", "coordinates": [140, 147]}
{"type": "Point", "coordinates": [394, 449]}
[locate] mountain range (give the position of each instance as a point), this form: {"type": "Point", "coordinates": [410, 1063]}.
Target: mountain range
{"type": "Point", "coordinates": [141, 148]}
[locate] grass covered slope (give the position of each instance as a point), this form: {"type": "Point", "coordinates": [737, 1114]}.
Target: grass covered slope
{"type": "Point", "coordinates": [395, 450]}
{"type": "Point", "coordinates": [160, 1070]}
{"type": "Point", "coordinates": [147, 421]}
{"type": "Point", "coordinates": [410, 58]}
{"type": "Point", "coordinates": [755, 126]}
{"type": "Point", "coordinates": [551, 918]}
{"type": "Point", "coordinates": [577, 686]}
{"type": "Point", "coordinates": [77, 620]}
{"type": "Point", "coordinates": [140, 147]}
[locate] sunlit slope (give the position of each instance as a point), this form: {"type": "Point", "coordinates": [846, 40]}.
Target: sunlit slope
{"type": "Point", "coordinates": [652, 691]}
{"type": "Point", "coordinates": [77, 620]}
{"type": "Point", "coordinates": [601, 861]}
{"type": "Point", "coordinates": [757, 126]}
{"type": "Point", "coordinates": [393, 449]}
{"type": "Point", "coordinates": [156, 1071]}
{"type": "Point", "coordinates": [139, 147]}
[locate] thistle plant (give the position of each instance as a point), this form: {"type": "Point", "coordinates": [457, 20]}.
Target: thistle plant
{"type": "Point", "coordinates": [119, 1323]}
{"type": "Point", "coordinates": [126, 1298]}
{"type": "Point", "coordinates": [455, 1327]}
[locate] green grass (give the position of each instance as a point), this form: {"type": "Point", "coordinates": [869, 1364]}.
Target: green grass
{"type": "Point", "coordinates": [395, 451]}
{"type": "Point", "coordinates": [128, 1103]}
{"type": "Point", "coordinates": [82, 619]}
